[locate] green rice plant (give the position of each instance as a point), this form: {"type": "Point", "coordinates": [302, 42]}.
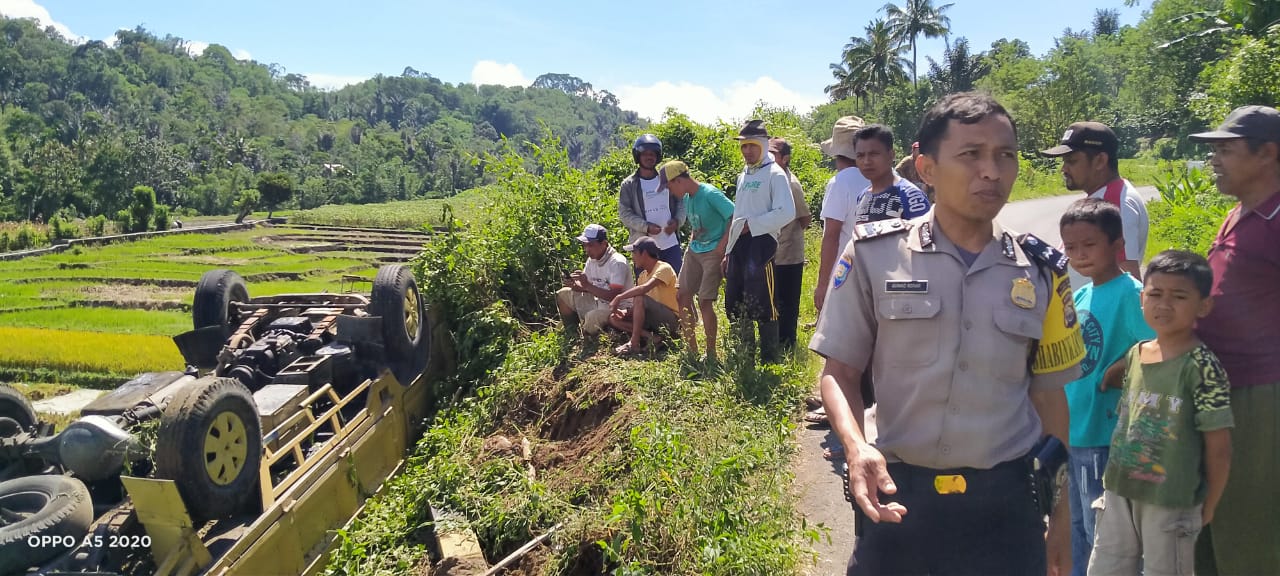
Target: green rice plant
{"type": "Point", "coordinates": [68, 350]}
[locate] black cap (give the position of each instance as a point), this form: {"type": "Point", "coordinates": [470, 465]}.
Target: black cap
{"type": "Point", "coordinates": [1086, 136]}
{"type": "Point", "coordinates": [1258, 122]}
{"type": "Point", "coordinates": [752, 129]}
{"type": "Point", "coordinates": [644, 244]}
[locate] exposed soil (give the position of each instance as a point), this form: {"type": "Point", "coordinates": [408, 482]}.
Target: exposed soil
{"type": "Point", "coordinates": [130, 296]}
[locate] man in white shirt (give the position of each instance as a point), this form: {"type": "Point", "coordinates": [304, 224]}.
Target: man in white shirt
{"type": "Point", "coordinates": [584, 299]}
{"type": "Point", "coordinates": [1089, 164]}
{"type": "Point", "coordinates": [762, 206]}
{"type": "Point", "coordinates": [840, 200]}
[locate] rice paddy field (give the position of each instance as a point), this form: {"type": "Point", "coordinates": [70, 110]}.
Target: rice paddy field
{"type": "Point", "coordinates": [96, 316]}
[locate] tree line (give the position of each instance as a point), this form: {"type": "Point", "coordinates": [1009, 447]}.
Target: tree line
{"type": "Point", "coordinates": [82, 125]}
{"type": "Point", "coordinates": [1181, 68]}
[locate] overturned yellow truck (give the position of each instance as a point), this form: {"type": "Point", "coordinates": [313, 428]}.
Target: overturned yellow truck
{"type": "Point", "coordinates": [292, 411]}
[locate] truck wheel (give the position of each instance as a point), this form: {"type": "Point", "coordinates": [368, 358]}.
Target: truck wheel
{"type": "Point", "coordinates": [14, 409]}
{"type": "Point", "coordinates": [214, 294]}
{"type": "Point", "coordinates": [405, 332]}
{"type": "Point", "coordinates": [43, 505]}
{"type": "Point", "coordinates": [210, 444]}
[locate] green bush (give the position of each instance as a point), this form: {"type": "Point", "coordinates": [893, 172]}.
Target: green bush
{"type": "Point", "coordinates": [162, 217]}
{"type": "Point", "coordinates": [123, 221]}
{"type": "Point", "coordinates": [143, 208]}
{"type": "Point", "coordinates": [96, 225]}
{"type": "Point", "coordinates": [60, 229]}
{"type": "Point", "coordinates": [4, 241]}
{"type": "Point", "coordinates": [1189, 211]}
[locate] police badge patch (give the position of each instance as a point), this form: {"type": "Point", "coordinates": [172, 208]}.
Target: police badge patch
{"type": "Point", "coordinates": [842, 271]}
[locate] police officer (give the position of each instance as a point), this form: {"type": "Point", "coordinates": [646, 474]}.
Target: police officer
{"type": "Point", "coordinates": [970, 334]}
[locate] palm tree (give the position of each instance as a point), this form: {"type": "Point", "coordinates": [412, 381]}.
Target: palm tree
{"type": "Point", "coordinates": [874, 62]}
{"type": "Point", "coordinates": [843, 86]}
{"type": "Point", "coordinates": [917, 18]}
{"type": "Point", "coordinates": [959, 69]}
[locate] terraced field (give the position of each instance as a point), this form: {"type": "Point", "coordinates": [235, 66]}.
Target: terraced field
{"type": "Point", "coordinates": [96, 316]}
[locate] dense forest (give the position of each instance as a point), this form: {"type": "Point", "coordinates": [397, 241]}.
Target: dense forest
{"type": "Point", "coordinates": [82, 125]}
{"type": "Point", "coordinates": [1181, 68]}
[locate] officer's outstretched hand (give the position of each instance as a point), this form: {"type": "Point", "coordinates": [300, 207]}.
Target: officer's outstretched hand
{"type": "Point", "coordinates": [868, 477]}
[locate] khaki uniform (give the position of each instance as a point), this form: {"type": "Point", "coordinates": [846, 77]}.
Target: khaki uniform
{"type": "Point", "coordinates": [950, 346]}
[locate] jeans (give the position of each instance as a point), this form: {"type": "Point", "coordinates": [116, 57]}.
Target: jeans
{"type": "Point", "coordinates": [1084, 485]}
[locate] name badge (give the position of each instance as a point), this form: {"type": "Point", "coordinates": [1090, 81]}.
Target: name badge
{"type": "Point", "coordinates": [906, 286]}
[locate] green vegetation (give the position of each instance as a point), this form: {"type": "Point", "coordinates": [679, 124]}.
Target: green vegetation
{"type": "Point", "coordinates": [467, 207]}
{"type": "Point", "coordinates": [83, 124]}
{"type": "Point", "coordinates": [1188, 214]}
{"type": "Point", "coordinates": [1177, 71]}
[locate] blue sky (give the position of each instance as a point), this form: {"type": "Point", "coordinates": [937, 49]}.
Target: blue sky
{"type": "Point", "coordinates": [708, 58]}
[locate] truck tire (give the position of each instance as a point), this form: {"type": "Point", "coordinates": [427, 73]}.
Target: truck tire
{"type": "Point", "coordinates": [210, 444]}
{"type": "Point", "coordinates": [15, 407]}
{"type": "Point", "coordinates": [43, 505]}
{"type": "Point", "coordinates": [406, 336]}
{"type": "Point", "coordinates": [214, 294]}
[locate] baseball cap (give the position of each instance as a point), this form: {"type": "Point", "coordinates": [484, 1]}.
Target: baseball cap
{"type": "Point", "coordinates": [644, 244]}
{"type": "Point", "coordinates": [594, 233]}
{"type": "Point", "coordinates": [1258, 122]}
{"type": "Point", "coordinates": [1086, 136]}
{"type": "Point", "coordinates": [670, 171]}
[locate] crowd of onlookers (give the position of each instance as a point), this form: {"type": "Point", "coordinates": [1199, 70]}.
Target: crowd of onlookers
{"type": "Point", "coordinates": [1161, 384]}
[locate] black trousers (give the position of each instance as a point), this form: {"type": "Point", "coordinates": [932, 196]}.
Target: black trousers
{"type": "Point", "coordinates": [787, 278]}
{"type": "Point", "coordinates": [749, 279]}
{"type": "Point", "coordinates": [993, 528]}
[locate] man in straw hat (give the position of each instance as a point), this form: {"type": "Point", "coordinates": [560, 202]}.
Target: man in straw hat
{"type": "Point", "coordinates": [762, 206]}
{"type": "Point", "coordinates": [839, 201]}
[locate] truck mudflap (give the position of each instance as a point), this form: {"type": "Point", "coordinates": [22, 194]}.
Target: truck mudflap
{"type": "Point", "coordinates": [336, 463]}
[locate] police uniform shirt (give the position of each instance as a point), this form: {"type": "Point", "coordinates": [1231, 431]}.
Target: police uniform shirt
{"type": "Point", "coordinates": [950, 345]}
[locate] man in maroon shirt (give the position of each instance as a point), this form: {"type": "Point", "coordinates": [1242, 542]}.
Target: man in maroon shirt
{"type": "Point", "coordinates": [1243, 330]}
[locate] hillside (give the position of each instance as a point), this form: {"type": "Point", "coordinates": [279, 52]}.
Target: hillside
{"type": "Point", "coordinates": [81, 125]}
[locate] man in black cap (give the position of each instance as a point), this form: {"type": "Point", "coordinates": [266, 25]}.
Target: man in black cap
{"type": "Point", "coordinates": [1089, 164]}
{"type": "Point", "coordinates": [1243, 330]}
{"type": "Point", "coordinates": [762, 206]}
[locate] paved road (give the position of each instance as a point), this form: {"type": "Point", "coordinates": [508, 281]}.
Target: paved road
{"type": "Point", "coordinates": [818, 484]}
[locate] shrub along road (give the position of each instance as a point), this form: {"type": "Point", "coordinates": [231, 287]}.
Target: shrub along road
{"type": "Point", "coordinates": [818, 484]}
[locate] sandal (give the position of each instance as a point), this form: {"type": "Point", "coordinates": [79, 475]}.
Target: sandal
{"type": "Point", "coordinates": [813, 402]}
{"type": "Point", "coordinates": [817, 417]}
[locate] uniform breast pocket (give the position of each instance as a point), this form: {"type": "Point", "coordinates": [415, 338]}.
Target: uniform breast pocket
{"type": "Point", "coordinates": [1017, 331]}
{"type": "Point", "coordinates": [909, 333]}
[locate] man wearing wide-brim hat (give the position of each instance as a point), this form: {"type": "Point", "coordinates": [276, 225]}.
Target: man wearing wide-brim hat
{"type": "Point", "coordinates": [839, 201]}
{"type": "Point", "coordinates": [762, 206]}
{"type": "Point", "coordinates": [1242, 330]}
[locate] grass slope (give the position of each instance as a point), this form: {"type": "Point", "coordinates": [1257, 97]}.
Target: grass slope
{"type": "Point", "coordinates": [654, 465]}
{"type": "Point", "coordinates": [406, 215]}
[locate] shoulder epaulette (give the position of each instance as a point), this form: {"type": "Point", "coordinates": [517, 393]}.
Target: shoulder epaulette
{"type": "Point", "coordinates": [1042, 253]}
{"type": "Point", "coordinates": [879, 228]}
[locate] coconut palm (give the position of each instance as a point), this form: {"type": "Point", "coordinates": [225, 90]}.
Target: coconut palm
{"type": "Point", "coordinates": [959, 69]}
{"type": "Point", "coordinates": [917, 18]}
{"type": "Point", "coordinates": [874, 62]}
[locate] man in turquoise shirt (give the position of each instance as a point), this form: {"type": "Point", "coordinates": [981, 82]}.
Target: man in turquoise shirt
{"type": "Point", "coordinates": [709, 212]}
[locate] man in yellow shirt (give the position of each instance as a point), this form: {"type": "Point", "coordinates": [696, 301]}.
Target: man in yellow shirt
{"type": "Point", "coordinates": [652, 315]}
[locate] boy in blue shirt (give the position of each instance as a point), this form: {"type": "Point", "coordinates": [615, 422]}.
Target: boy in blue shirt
{"type": "Point", "coordinates": [1111, 322]}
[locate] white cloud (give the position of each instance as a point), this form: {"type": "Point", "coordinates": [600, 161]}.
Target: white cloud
{"type": "Point", "coordinates": [242, 54]}
{"type": "Point", "coordinates": [333, 81]}
{"type": "Point", "coordinates": [29, 9]}
{"type": "Point", "coordinates": [490, 72]}
{"type": "Point", "coordinates": [196, 47]}
{"type": "Point", "coordinates": [705, 105]}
